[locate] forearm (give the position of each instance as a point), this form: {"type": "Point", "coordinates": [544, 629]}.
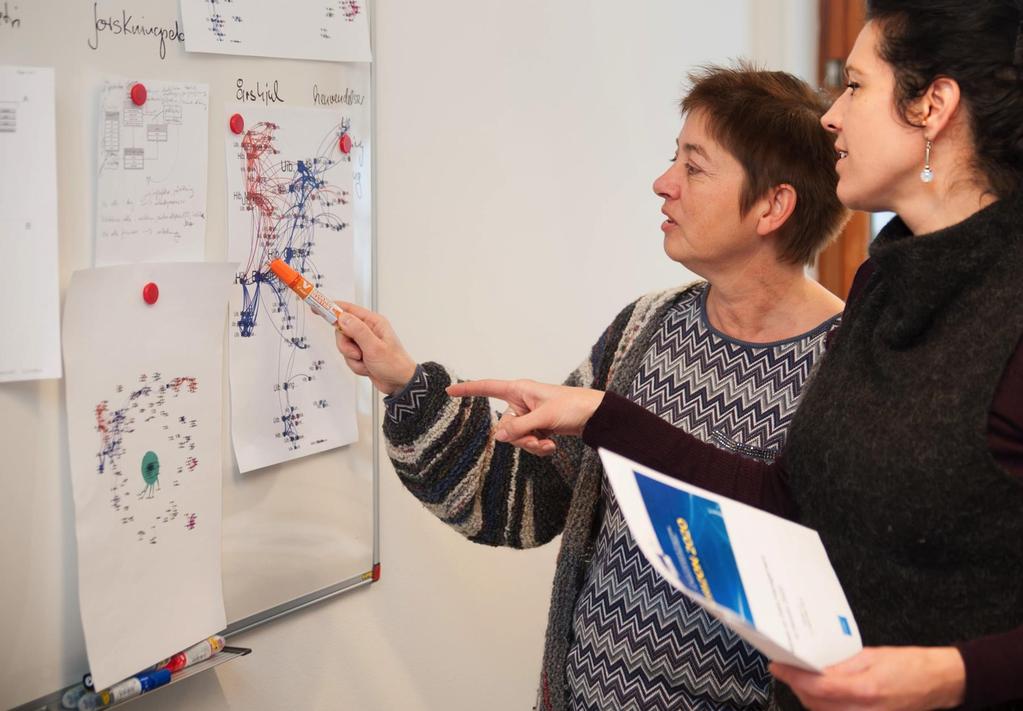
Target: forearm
{"type": "Point", "coordinates": [628, 429]}
{"type": "Point", "coordinates": [444, 453]}
{"type": "Point", "coordinates": [993, 665]}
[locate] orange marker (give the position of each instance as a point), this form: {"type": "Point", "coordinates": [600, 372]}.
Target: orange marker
{"type": "Point", "coordinates": [297, 283]}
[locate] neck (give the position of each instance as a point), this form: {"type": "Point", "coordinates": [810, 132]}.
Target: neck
{"type": "Point", "coordinates": [948, 204]}
{"type": "Point", "coordinates": [769, 304]}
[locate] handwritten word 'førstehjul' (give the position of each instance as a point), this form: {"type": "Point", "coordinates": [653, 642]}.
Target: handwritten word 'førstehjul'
{"type": "Point", "coordinates": [266, 93]}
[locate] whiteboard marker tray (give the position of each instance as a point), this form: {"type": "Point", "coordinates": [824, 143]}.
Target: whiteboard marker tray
{"type": "Point", "coordinates": [51, 702]}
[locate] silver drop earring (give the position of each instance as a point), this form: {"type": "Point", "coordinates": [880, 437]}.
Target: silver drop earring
{"type": "Point", "coordinates": [927, 175]}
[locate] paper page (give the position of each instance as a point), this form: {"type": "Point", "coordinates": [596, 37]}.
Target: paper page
{"type": "Point", "coordinates": [144, 406]}
{"type": "Point", "coordinates": [151, 195]}
{"type": "Point", "coordinates": [766, 578]}
{"type": "Point", "coordinates": [29, 291]}
{"type": "Point", "coordinates": [331, 30]}
{"type": "Point", "coordinates": [289, 196]}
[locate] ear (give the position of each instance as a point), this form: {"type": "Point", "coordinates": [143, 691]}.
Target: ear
{"type": "Point", "coordinates": [937, 107]}
{"type": "Point", "coordinates": [775, 208]}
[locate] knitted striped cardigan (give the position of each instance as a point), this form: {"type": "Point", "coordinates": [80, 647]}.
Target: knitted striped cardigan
{"type": "Point", "coordinates": [493, 493]}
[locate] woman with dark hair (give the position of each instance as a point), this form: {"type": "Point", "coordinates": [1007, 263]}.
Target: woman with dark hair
{"type": "Point", "coordinates": [906, 451]}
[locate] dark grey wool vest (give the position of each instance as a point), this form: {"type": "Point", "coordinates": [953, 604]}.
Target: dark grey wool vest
{"type": "Point", "coordinates": [887, 454]}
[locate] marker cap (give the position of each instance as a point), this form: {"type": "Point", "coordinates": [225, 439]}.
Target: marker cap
{"type": "Point", "coordinates": [153, 679]}
{"type": "Point", "coordinates": [285, 273]}
{"type": "Point", "coordinates": [237, 123]}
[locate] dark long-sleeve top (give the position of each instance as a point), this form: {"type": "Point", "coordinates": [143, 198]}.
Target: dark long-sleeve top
{"type": "Point", "coordinates": [994, 664]}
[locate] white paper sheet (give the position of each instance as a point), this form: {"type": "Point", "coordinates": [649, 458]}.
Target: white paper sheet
{"type": "Point", "coordinates": [151, 196]}
{"type": "Point", "coordinates": [289, 192]}
{"type": "Point", "coordinates": [766, 578]}
{"type": "Point", "coordinates": [331, 30]}
{"type": "Point", "coordinates": [30, 337]}
{"type": "Point", "coordinates": [144, 404]}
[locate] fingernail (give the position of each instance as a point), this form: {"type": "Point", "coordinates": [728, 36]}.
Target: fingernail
{"type": "Point", "coordinates": [501, 436]}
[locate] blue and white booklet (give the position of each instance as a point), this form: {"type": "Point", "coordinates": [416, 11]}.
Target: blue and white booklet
{"type": "Point", "coordinates": [765, 577]}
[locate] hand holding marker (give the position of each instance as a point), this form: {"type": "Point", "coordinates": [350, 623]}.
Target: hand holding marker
{"type": "Point", "coordinates": [319, 303]}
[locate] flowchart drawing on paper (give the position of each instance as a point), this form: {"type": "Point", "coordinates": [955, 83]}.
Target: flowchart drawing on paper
{"type": "Point", "coordinates": [151, 197]}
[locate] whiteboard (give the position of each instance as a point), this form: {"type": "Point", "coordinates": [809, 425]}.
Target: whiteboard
{"type": "Point", "coordinates": [292, 533]}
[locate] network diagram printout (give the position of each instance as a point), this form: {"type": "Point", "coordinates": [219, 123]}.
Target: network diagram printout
{"type": "Point", "coordinates": [151, 195]}
{"type": "Point", "coordinates": [289, 197]}
{"type": "Point", "coordinates": [30, 337]}
{"type": "Point", "coordinates": [330, 30]}
{"type": "Point", "coordinates": [144, 404]}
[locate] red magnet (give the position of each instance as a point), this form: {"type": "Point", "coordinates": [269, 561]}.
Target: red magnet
{"type": "Point", "coordinates": [150, 293]}
{"type": "Point", "coordinates": [237, 123]}
{"type": "Point", "coordinates": [138, 94]}
{"type": "Point", "coordinates": [345, 143]}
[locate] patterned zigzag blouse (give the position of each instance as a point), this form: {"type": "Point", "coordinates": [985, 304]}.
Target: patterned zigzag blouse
{"type": "Point", "coordinates": [639, 644]}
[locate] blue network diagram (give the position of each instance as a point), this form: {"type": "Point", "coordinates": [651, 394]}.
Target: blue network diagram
{"type": "Point", "coordinates": [292, 207]}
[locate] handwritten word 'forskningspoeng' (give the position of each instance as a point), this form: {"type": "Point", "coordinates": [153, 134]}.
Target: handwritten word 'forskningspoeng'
{"type": "Point", "coordinates": [266, 93]}
{"type": "Point", "coordinates": [125, 25]}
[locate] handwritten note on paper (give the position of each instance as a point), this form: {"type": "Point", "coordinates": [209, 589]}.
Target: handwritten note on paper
{"type": "Point", "coordinates": [329, 30]}
{"type": "Point", "coordinates": [30, 337]}
{"type": "Point", "coordinates": [151, 198]}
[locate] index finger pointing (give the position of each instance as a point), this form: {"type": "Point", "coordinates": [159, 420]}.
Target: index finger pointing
{"type": "Point", "coordinates": [501, 389]}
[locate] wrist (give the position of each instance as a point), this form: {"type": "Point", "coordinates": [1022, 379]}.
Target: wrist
{"type": "Point", "coordinates": [951, 677]}
{"type": "Point", "coordinates": [398, 382]}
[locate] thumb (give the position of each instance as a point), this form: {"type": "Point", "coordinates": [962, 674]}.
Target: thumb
{"type": "Point", "coordinates": [855, 664]}
{"type": "Point", "coordinates": [516, 427]}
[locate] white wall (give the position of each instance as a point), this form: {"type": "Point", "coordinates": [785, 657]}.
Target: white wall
{"type": "Point", "coordinates": [785, 35]}
{"type": "Point", "coordinates": [516, 145]}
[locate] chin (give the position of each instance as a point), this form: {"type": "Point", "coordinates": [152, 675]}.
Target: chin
{"type": "Point", "coordinates": [853, 199]}
{"type": "Point", "coordinates": [857, 199]}
{"type": "Point", "coordinates": [674, 252]}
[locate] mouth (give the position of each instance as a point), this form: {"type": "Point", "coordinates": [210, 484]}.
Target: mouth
{"type": "Point", "coordinates": [668, 220]}
{"type": "Point", "coordinates": [841, 154]}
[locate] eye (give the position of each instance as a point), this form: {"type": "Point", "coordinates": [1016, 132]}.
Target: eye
{"type": "Point", "coordinates": [692, 169]}
{"type": "Point", "coordinates": [853, 85]}
{"type": "Point", "coordinates": [673, 158]}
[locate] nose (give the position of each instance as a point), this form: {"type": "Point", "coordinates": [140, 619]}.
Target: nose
{"type": "Point", "coordinates": [666, 185]}
{"type": "Point", "coordinates": [831, 120]}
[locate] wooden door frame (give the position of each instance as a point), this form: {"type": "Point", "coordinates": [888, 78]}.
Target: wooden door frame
{"type": "Point", "coordinates": [840, 23]}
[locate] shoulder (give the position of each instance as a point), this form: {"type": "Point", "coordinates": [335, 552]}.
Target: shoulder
{"type": "Point", "coordinates": [863, 274]}
{"type": "Point", "coordinates": [653, 305]}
